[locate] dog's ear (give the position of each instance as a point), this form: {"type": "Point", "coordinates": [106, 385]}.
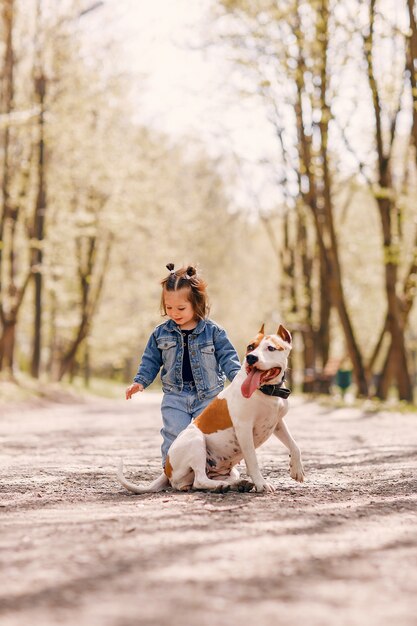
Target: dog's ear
{"type": "Point", "coordinates": [284, 334]}
{"type": "Point", "coordinates": [261, 331]}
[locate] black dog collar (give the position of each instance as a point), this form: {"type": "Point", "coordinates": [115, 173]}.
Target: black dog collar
{"type": "Point", "coordinates": [275, 390]}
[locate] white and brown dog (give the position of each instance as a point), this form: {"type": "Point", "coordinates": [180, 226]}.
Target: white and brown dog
{"type": "Point", "coordinates": [240, 419]}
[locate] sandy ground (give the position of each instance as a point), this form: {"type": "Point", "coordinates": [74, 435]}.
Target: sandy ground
{"type": "Point", "coordinates": [76, 549]}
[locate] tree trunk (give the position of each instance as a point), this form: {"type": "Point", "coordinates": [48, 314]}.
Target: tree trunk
{"type": "Point", "coordinates": [67, 362]}
{"type": "Point", "coordinates": [318, 198]}
{"type": "Point", "coordinates": [396, 364]}
{"type": "Point", "coordinates": [7, 345]}
{"type": "Point", "coordinates": [38, 231]}
{"type": "Point", "coordinates": [7, 95]}
{"type": "Point", "coordinates": [310, 360]}
{"type": "Point", "coordinates": [86, 365]}
{"type": "Point", "coordinates": [89, 296]}
{"type": "Point", "coordinates": [7, 339]}
{"type": "Point", "coordinates": [323, 335]}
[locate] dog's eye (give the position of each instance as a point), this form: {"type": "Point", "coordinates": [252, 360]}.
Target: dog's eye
{"type": "Point", "coordinates": [250, 347]}
{"type": "Point", "coordinates": [271, 348]}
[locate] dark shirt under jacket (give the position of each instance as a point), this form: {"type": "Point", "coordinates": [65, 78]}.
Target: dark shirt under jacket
{"type": "Point", "coordinates": [187, 374]}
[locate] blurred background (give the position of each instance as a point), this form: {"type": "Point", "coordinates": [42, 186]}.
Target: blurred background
{"type": "Point", "coordinates": [272, 143]}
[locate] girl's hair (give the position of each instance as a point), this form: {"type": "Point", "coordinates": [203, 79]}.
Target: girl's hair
{"type": "Point", "coordinates": [187, 278]}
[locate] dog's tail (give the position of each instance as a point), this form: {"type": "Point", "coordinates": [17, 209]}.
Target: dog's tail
{"type": "Point", "coordinates": [157, 485]}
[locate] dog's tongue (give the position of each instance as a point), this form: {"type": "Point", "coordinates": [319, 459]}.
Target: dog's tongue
{"type": "Point", "coordinates": [251, 382]}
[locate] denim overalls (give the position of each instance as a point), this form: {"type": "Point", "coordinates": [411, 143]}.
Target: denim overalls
{"type": "Point", "coordinates": [212, 356]}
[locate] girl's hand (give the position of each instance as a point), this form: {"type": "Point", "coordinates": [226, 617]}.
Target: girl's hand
{"type": "Point", "coordinates": [134, 388]}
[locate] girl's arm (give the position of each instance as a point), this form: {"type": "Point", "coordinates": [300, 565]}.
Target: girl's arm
{"type": "Point", "coordinates": [226, 355]}
{"type": "Point", "coordinates": [150, 364]}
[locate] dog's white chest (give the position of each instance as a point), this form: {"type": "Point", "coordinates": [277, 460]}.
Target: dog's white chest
{"type": "Point", "coordinates": [263, 428]}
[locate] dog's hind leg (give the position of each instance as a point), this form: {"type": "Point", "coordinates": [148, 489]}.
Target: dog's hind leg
{"type": "Point", "coordinates": [233, 480]}
{"type": "Point", "coordinates": [188, 457]}
{"type": "Point", "coordinates": [157, 485]}
{"type": "Point", "coordinates": [296, 464]}
{"type": "Point", "coordinates": [202, 481]}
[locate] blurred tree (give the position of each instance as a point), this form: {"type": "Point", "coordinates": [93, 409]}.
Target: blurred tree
{"type": "Point", "coordinates": [399, 298]}
{"type": "Point", "coordinates": [316, 184]}
{"type": "Point", "coordinates": [37, 229]}
{"type": "Point", "coordinates": [14, 277]}
{"type": "Point", "coordinates": [91, 272]}
{"type": "Point", "coordinates": [90, 156]}
{"type": "Point", "coordinates": [289, 53]}
{"type": "Point", "coordinates": [46, 43]}
{"type": "Point", "coordinates": [301, 54]}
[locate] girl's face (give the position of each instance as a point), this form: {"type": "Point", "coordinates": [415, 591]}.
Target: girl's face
{"type": "Point", "coordinates": [179, 308]}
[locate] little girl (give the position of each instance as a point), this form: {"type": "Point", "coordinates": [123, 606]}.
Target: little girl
{"type": "Point", "coordinates": [193, 351]}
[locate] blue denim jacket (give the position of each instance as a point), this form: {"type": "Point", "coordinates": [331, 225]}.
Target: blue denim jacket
{"type": "Point", "coordinates": [211, 354]}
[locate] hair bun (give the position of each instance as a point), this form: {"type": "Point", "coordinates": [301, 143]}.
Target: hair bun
{"type": "Point", "coordinates": [170, 266]}
{"type": "Point", "coordinates": [191, 271]}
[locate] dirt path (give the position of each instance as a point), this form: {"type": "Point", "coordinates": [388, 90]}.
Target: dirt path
{"type": "Point", "coordinates": [77, 550]}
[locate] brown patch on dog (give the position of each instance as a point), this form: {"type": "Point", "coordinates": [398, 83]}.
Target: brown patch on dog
{"type": "Point", "coordinates": [275, 342]}
{"type": "Point", "coordinates": [168, 468]}
{"type": "Point", "coordinates": [255, 343]}
{"type": "Point", "coordinates": [215, 417]}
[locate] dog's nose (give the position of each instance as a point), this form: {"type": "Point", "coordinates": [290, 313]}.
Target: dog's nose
{"type": "Point", "coordinates": [251, 359]}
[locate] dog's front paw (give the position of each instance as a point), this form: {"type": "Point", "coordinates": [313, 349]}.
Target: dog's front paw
{"type": "Point", "coordinates": [297, 471]}
{"type": "Point", "coordinates": [264, 487]}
